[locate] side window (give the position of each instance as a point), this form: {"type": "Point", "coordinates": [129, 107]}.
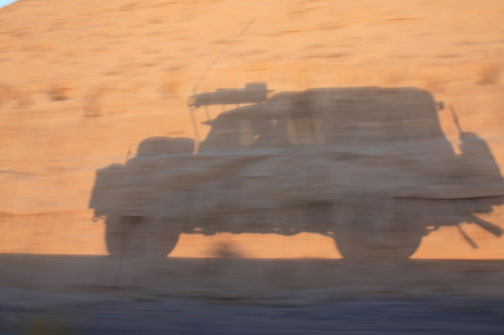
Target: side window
{"type": "Point", "coordinates": [247, 136]}
{"type": "Point", "coordinates": [305, 131]}
{"type": "Point", "coordinates": [303, 125]}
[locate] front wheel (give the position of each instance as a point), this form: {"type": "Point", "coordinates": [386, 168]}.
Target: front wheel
{"type": "Point", "coordinates": [388, 231]}
{"type": "Point", "coordinates": [135, 236]}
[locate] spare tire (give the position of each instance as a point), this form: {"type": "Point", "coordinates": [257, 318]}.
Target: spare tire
{"type": "Point", "coordinates": [159, 145]}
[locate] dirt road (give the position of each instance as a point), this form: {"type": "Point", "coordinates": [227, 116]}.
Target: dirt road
{"type": "Point", "coordinates": [102, 295]}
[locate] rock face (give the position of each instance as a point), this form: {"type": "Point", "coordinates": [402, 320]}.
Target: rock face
{"type": "Point", "coordinates": [84, 82]}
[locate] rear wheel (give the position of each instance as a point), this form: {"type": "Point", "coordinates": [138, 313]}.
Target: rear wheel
{"type": "Point", "coordinates": [384, 230]}
{"type": "Point", "coordinates": [135, 236]}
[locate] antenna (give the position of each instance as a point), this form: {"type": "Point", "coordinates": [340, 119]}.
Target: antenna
{"type": "Point", "coordinates": [455, 119]}
{"type": "Point", "coordinates": [209, 67]}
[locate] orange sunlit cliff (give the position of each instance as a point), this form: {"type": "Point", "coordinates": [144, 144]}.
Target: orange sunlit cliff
{"type": "Point", "coordinates": [82, 83]}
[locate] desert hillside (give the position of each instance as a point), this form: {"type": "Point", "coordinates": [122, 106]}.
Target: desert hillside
{"type": "Point", "coordinates": [82, 82]}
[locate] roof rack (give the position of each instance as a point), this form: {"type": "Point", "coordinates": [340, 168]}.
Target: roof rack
{"type": "Point", "coordinates": [251, 93]}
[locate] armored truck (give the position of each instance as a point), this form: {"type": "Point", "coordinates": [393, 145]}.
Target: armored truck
{"type": "Point", "coordinates": [368, 167]}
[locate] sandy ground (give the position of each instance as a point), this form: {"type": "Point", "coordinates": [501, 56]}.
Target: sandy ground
{"type": "Point", "coordinates": [83, 82]}
{"type": "Point", "coordinates": [102, 295]}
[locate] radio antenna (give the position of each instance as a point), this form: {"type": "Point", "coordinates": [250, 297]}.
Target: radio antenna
{"type": "Point", "coordinates": [455, 119]}
{"type": "Point", "coordinates": [221, 54]}
{"type": "Point", "coordinates": [209, 67]}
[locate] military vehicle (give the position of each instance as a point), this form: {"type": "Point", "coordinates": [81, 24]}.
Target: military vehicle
{"type": "Point", "coordinates": [366, 166]}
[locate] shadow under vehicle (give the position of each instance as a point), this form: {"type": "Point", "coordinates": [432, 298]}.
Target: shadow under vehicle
{"type": "Point", "coordinates": [367, 166]}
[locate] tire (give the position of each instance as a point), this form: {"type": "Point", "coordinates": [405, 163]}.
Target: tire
{"type": "Point", "coordinates": [134, 236]}
{"type": "Point", "coordinates": [383, 231]}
